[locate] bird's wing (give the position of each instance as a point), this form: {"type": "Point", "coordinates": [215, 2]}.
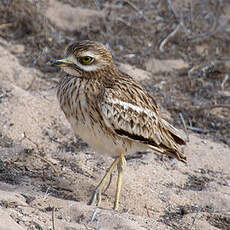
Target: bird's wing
{"type": "Point", "coordinates": [130, 112]}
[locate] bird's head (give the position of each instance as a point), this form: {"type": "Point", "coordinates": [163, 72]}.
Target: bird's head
{"type": "Point", "coordinates": [85, 57]}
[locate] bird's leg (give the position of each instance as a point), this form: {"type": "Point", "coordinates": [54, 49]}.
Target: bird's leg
{"type": "Point", "coordinates": [96, 197]}
{"type": "Point", "coordinates": [120, 168]}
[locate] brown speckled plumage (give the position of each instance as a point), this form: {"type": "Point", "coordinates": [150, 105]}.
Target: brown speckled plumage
{"type": "Point", "coordinates": [110, 110]}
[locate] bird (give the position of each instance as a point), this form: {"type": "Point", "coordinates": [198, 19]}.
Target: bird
{"type": "Point", "coordinates": [111, 111]}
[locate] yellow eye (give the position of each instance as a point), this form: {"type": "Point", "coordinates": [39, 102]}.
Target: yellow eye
{"type": "Point", "coordinates": [86, 60]}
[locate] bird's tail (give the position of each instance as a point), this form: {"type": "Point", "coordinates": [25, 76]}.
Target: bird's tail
{"type": "Point", "coordinates": [178, 135]}
{"type": "Point", "coordinates": [171, 142]}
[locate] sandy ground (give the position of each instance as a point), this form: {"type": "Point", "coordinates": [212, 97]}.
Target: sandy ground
{"type": "Point", "coordinates": [47, 175]}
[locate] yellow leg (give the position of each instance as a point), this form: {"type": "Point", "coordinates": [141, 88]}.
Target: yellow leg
{"type": "Point", "coordinates": [96, 197]}
{"type": "Point", "coordinates": [120, 168]}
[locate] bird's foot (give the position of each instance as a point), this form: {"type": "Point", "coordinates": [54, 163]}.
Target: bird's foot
{"type": "Point", "coordinates": [96, 197]}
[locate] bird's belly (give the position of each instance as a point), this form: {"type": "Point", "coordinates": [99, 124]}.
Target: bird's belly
{"type": "Point", "coordinates": [99, 140]}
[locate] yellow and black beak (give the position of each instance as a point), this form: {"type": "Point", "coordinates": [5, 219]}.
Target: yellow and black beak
{"type": "Point", "coordinates": [61, 62]}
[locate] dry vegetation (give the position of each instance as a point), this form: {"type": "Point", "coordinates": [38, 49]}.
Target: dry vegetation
{"type": "Point", "coordinates": [136, 32]}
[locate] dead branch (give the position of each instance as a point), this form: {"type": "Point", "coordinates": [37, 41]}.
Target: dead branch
{"type": "Point", "coordinates": [170, 36]}
{"type": "Point", "coordinates": [5, 25]}
{"type": "Point", "coordinates": [184, 124]}
{"type": "Point", "coordinates": [132, 5]}
{"type": "Point", "coordinates": [41, 158]}
{"type": "Point", "coordinates": [210, 107]}
{"type": "Point", "coordinates": [147, 210]}
{"type": "Point", "coordinates": [224, 81]}
{"type": "Point", "coordinates": [194, 219]}
{"type": "Point", "coordinates": [53, 216]}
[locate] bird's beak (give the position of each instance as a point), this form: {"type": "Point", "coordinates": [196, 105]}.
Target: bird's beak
{"type": "Point", "coordinates": [61, 62]}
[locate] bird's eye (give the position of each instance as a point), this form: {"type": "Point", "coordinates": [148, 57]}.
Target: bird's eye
{"type": "Point", "coordinates": [86, 60]}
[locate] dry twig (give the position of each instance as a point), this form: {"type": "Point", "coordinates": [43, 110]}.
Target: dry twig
{"type": "Point", "coordinates": [210, 107]}
{"type": "Point", "coordinates": [48, 162]}
{"type": "Point", "coordinates": [170, 6]}
{"type": "Point", "coordinates": [170, 36]}
{"type": "Point", "coordinates": [97, 5]}
{"type": "Point", "coordinates": [132, 5]}
{"type": "Point", "coordinates": [41, 158]}
{"type": "Point", "coordinates": [53, 216]}
{"type": "Point", "coordinates": [196, 129]}
{"type": "Point", "coordinates": [224, 81]}
{"type": "Point", "coordinates": [93, 216]}
{"type": "Point", "coordinates": [5, 25]}
{"type": "Point", "coordinates": [185, 127]}
{"type": "Point", "coordinates": [147, 210]}
{"type": "Point", "coordinates": [194, 219]}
